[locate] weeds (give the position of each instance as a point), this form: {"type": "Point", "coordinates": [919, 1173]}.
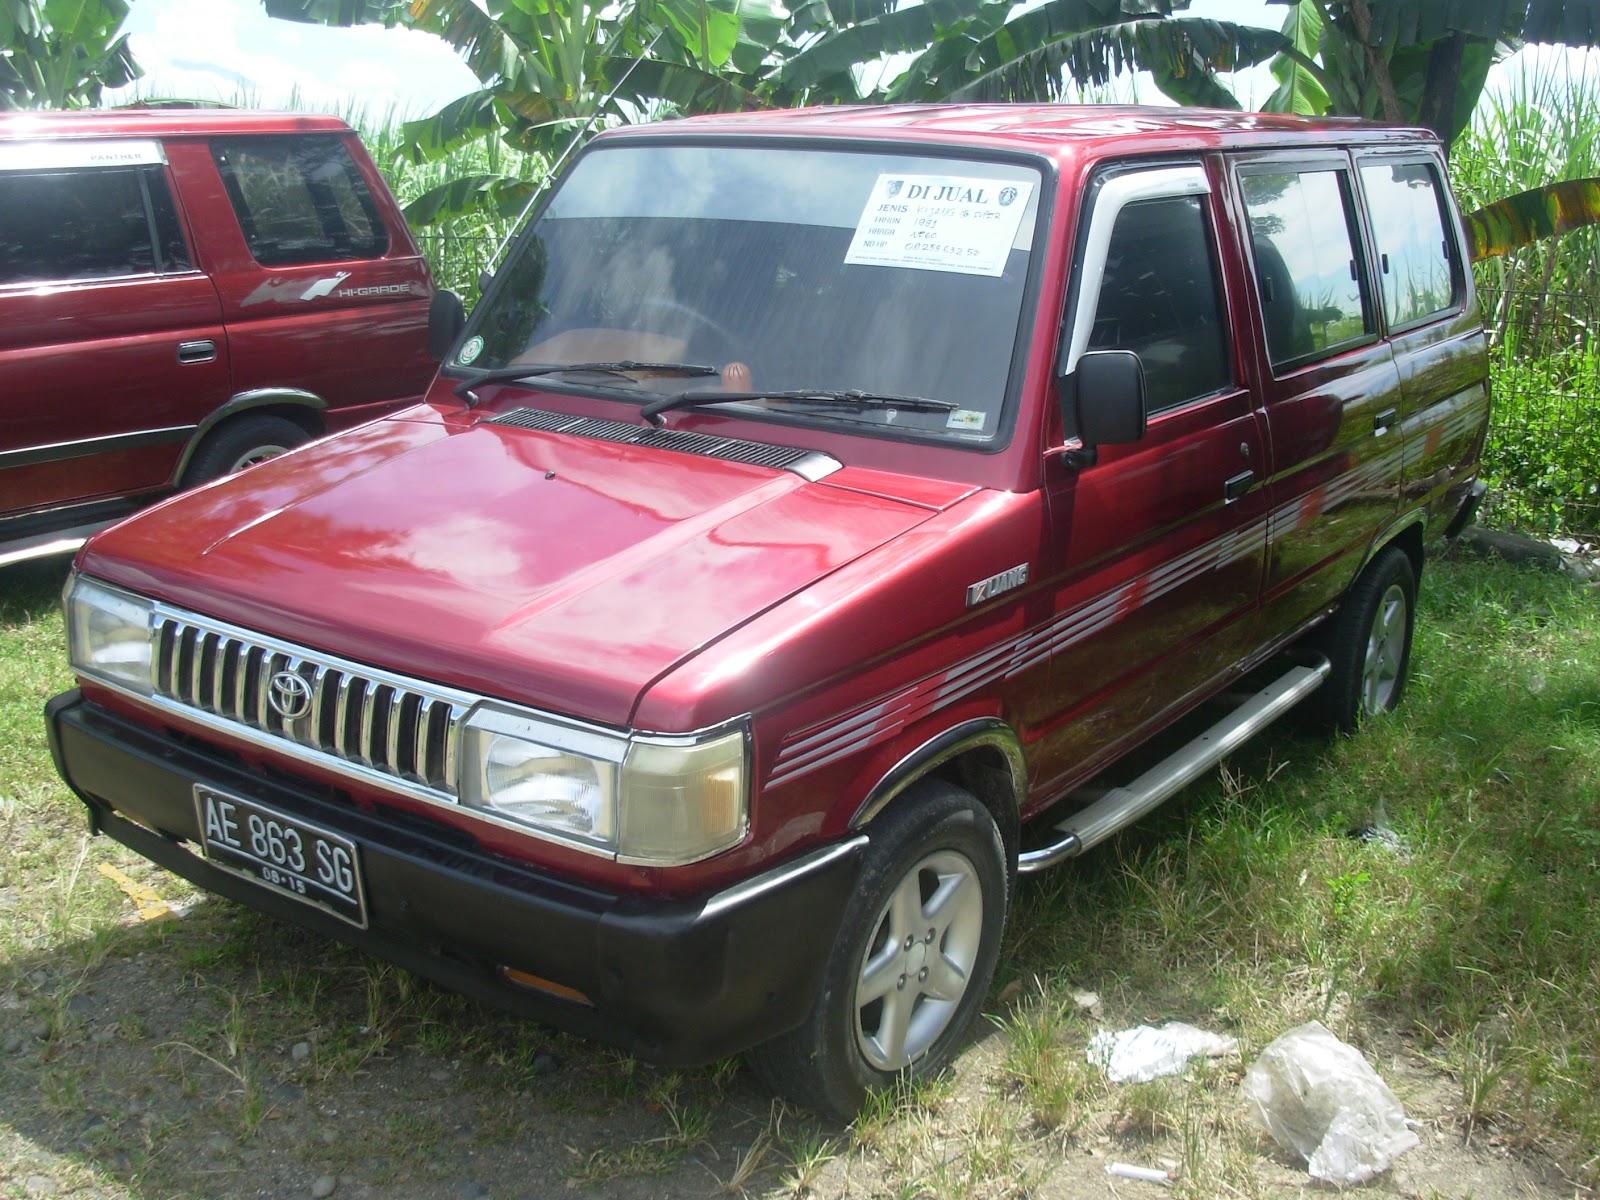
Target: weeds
{"type": "Point", "coordinates": [1242, 906]}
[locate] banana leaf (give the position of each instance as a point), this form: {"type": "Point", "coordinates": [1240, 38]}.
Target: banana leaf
{"type": "Point", "coordinates": [1523, 219]}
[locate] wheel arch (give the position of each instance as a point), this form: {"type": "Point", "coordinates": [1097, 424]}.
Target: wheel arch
{"type": "Point", "coordinates": [294, 404]}
{"type": "Point", "coordinates": [983, 756]}
{"type": "Point", "coordinates": [1407, 534]}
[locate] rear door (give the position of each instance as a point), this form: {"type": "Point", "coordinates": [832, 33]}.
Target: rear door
{"type": "Point", "coordinates": [1434, 329]}
{"type": "Point", "coordinates": [322, 287]}
{"type": "Point", "coordinates": [1332, 391]}
{"type": "Point", "coordinates": [1158, 546]}
{"type": "Point", "coordinates": [110, 338]}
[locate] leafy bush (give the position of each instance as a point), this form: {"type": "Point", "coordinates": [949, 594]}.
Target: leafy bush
{"type": "Point", "coordinates": [1542, 460]}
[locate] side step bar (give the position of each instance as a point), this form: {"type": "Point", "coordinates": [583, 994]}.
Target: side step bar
{"type": "Point", "coordinates": [44, 545]}
{"type": "Point", "coordinates": [1123, 805]}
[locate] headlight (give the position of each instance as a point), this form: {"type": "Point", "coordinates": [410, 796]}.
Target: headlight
{"type": "Point", "coordinates": [108, 634]}
{"type": "Point", "coordinates": [652, 800]}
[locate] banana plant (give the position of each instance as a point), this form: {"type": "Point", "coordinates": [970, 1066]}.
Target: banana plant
{"type": "Point", "coordinates": [1527, 217]}
{"type": "Point", "coordinates": [62, 53]}
{"type": "Point", "coordinates": [1414, 62]}
{"type": "Point", "coordinates": [1006, 53]}
{"type": "Point", "coordinates": [552, 71]}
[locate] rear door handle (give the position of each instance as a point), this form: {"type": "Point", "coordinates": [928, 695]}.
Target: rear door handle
{"type": "Point", "coordinates": [1237, 486]}
{"type": "Point", "coordinates": [1381, 422]}
{"type": "Point", "coordinates": [204, 350]}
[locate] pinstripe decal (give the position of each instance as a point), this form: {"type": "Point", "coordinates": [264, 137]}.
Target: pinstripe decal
{"type": "Point", "coordinates": [839, 737]}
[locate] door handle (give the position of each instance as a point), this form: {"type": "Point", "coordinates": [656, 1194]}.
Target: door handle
{"type": "Point", "coordinates": [204, 350]}
{"type": "Point", "coordinates": [1237, 486]}
{"type": "Point", "coordinates": [1381, 422]}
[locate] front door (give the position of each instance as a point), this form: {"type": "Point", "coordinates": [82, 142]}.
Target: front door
{"type": "Point", "coordinates": [1158, 545]}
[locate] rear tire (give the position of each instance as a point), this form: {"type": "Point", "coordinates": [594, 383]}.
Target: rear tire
{"type": "Point", "coordinates": [1368, 643]}
{"type": "Point", "coordinates": [240, 443]}
{"type": "Point", "coordinates": [912, 962]}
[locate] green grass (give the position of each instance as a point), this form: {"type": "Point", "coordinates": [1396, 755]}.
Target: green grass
{"type": "Point", "coordinates": [1468, 954]}
{"type": "Point", "coordinates": [1245, 902]}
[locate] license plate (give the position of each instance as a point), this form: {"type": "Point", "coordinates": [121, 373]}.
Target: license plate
{"type": "Point", "coordinates": [303, 861]}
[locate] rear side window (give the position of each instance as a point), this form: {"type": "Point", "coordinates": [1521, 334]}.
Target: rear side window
{"type": "Point", "coordinates": [90, 223]}
{"type": "Point", "coordinates": [299, 200]}
{"type": "Point", "coordinates": [1159, 298]}
{"type": "Point", "coordinates": [1416, 263]}
{"type": "Point", "coordinates": [1308, 269]}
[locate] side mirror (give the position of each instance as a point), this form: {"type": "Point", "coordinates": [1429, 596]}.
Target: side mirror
{"type": "Point", "coordinates": [446, 317]}
{"type": "Point", "coordinates": [1103, 400]}
{"type": "Point", "coordinates": [485, 278]}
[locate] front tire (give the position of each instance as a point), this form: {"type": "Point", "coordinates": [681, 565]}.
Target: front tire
{"type": "Point", "coordinates": [1368, 643]}
{"type": "Point", "coordinates": [912, 963]}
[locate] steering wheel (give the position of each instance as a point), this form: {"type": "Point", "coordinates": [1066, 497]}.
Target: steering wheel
{"type": "Point", "coordinates": [659, 309]}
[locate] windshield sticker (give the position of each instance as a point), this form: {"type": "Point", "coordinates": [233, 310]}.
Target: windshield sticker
{"type": "Point", "coordinates": [966, 418]}
{"type": "Point", "coordinates": [954, 223]}
{"type": "Point", "coordinates": [470, 350]}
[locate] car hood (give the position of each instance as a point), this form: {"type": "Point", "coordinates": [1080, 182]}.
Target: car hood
{"type": "Point", "coordinates": [541, 568]}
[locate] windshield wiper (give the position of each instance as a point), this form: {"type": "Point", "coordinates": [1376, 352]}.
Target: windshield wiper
{"type": "Point", "coordinates": [853, 399]}
{"type": "Point", "coordinates": [620, 366]}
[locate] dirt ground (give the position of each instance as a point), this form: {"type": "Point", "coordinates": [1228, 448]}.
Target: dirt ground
{"type": "Point", "coordinates": [215, 1054]}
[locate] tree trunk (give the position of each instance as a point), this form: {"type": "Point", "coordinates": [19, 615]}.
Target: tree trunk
{"type": "Point", "coordinates": [1440, 88]}
{"type": "Point", "coordinates": [1376, 62]}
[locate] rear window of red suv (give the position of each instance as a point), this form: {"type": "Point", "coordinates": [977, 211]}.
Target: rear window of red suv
{"type": "Point", "coordinates": [299, 200]}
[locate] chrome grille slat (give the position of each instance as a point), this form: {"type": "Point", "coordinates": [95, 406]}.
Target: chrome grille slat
{"type": "Point", "coordinates": [396, 727]}
{"type": "Point", "coordinates": [319, 690]}
{"type": "Point", "coordinates": [213, 680]}
{"type": "Point", "coordinates": [263, 685]}
{"type": "Point", "coordinates": [391, 747]}
{"type": "Point", "coordinates": [369, 710]}
{"type": "Point", "coordinates": [451, 742]}
{"type": "Point", "coordinates": [241, 681]}
{"type": "Point", "coordinates": [341, 709]}
{"type": "Point", "coordinates": [419, 744]}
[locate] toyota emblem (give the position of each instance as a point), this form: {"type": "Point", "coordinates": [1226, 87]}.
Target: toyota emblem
{"type": "Point", "coordinates": [289, 695]}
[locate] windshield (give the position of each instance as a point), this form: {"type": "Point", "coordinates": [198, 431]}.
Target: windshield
{"type": "Point", "coordinates": [786, 270]}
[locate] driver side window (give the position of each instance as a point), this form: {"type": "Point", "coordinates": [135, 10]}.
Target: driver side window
{"type": "Point", "coordinates": [1159, 298]}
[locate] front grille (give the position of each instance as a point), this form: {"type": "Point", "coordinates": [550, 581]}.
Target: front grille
{"type": "Point", "coordinates": [354, 714]}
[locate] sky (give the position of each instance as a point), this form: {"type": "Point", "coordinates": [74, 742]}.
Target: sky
{"type": "Point", "coordinates": [230, 50]}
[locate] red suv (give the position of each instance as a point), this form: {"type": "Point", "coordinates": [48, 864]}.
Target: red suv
{"type": "Point", "coordinates": [183, 293]}
{"type": "Point", "coordinates": [812, 530]}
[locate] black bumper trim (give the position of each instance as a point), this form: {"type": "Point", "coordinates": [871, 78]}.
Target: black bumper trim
{"type": "Point", "coordinates": [680, 982]}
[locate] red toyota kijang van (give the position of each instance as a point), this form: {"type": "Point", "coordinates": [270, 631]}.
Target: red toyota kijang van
{"type": "Point", "coordinates": [184, 293]}
{"type": "Point", "coordinates": [815, 504]}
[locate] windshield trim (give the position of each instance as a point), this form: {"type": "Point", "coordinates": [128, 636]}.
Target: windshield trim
{"type": "Point", "coordinates": [837, 423]}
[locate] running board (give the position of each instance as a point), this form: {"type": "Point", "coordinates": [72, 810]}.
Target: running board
{"type": "Point", "coordinates": [45, 545]}
{"type": "Point", "coordinates": [1123, 805]}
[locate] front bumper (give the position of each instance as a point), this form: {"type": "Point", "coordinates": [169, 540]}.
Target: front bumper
{"type": "Point", "coordinates": [680, 982]}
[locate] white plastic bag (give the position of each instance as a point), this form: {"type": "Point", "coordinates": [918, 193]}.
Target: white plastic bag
{"type": "Point", "coordinates": [1140, 1054]}
{"type": "Point", "coordinates": [1318, 1097]}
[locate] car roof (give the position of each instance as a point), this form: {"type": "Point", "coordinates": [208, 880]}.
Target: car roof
{"type": "Point", "coordinates": [1043, 126]}
{"type": "Point", "coordinates": [159, 122]}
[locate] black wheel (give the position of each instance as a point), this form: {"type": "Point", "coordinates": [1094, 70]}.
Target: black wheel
{"type": "Point", "coordinates": [912, 963]}
{"type": "Point", "coordinates": [1368, 641]}
{"type": "Point", "coordinates": [240, 443]}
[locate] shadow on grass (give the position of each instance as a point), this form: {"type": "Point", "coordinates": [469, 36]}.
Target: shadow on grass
{"type": "Point", "coordinates": [33, 589]}
{"type": "Point", "coordinates": [221, 1053]}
